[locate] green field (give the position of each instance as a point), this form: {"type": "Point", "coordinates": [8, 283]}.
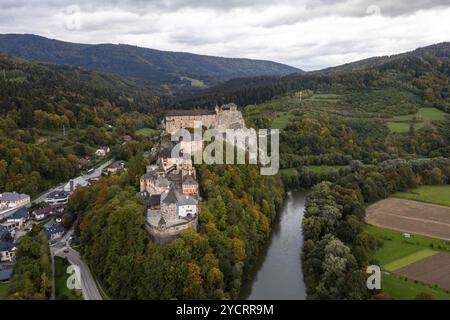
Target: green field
{"type": "Point", "coordinates": [148, 132]}
{"type": "Point", "coordinates": [281, 120]}
{"type": "Point", "coordinates": [396, 252]}
{"type": "Point", "coordinates": [401, 124]}
{"type": "Point", "coordinates": [431, 194]}
{"type": "Point", "coordinates": [61, 275]}
{"type": "Point", "coordinates": [289, 172]}
{"type": "Point", "coordinates": [325, 169]}
{"type": "Point", "coordinates": [401, 288]}
{"type": "Point", "coordinates": [414, 257]}
{"type": "Point", "coordinates": [3, 287]}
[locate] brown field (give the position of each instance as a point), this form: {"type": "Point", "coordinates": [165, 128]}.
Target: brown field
{"type": "Point", "coordinates": [434, 270]}
{"type": "Point", "coordinates": [411, 216]}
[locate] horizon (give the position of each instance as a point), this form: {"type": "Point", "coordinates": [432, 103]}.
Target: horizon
{"type": "Point", "coordinates": [292, 32]}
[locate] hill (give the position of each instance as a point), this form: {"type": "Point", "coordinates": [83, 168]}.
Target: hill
{"type": "Point", "coordinates": [424, 72]}
{"type": "Point", "coordinates": [53, 115]}
{"type": "Point", "coordinates": [161, 67]}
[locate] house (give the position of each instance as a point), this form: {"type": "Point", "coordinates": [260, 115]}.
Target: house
{"type": "Point", "coordinates": [102, 151]}
{"type": "Point", "coordinates": [115, 167]}
{"type": "Point", "coordinates": [73, 184]}
{"type": "Point", "coordinates": [5, 274]}
{"type": "Point", "coordinates": [127, 138]}
{"type": "Point", "coordinates": [189, 185]}
{"type": "Point", "coordinates": [7, 251]}
{"type": "Point", "coordinates": [57, 197]}
{"type": "Point", "coordinates": [42, 213]}
{"type": "Point", "coordinates": [53, 230]}
{"type": "Point", "coordinates": [10, 200]}
{"type": "Point", "coordinates": [19, 217]}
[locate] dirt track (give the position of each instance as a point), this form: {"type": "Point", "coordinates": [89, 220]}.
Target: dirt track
{"type": "Point", "coordinates": [434, 270]}
{"type": "Point", "coordinates": [411, 216]}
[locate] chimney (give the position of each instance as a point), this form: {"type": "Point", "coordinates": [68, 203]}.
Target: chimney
{"type": "Point", "coordinates": [71, 186]}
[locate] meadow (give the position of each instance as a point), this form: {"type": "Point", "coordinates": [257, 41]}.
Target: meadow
{"type": "Point", "coordinates": [397, 252]}
{"type": "Point", "coordinates": [431, 194]}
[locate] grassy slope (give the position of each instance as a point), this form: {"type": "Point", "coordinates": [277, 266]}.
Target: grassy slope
{"type": "Point", "coordinates": [397, 252]}
{"type": "Point", "coordinates": [3, 287]}
{"type": "Point", "coordinates": [148, 132]}
{"type": "Point", "coordinates": [414, 257]}
{"type": "Point", "coordinates": [401, 288]}
{"type": "Point", "coordinates": [431, 194]}
{"type": "Point", "coordinates": [61, 275]}
{"type": "Point", "coordinates": [400, 124]}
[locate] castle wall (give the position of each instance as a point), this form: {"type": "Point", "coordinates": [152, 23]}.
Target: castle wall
{"type": "Point", "coordinates": [164, 236]}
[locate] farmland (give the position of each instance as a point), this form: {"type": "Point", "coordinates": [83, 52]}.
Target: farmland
{"type": "Point", "coordinates": [411, 216]}
{"type": "Point", "coordinates": [397, 253]}
{"type": "Point", "coordinates": [431, 194]}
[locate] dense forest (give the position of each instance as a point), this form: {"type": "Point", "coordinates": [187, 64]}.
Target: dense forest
{"type": "Point", "coordinates": [236, 218]}
{"type": "Point", "coordinates": [53, 115]}
{"type": "Point", "coordinates": [32, 275]}
{"type": "Point", "coordinates": [424, 72]}
{"type": "Point", "coordinates": [336, 249]}
{"type": "Point", "coordinates": [174, 70]}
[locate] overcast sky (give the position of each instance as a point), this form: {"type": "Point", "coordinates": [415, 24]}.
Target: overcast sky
{"type": "Point", "coordinates": [309, 34]}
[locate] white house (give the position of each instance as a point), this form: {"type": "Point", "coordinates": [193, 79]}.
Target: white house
{"type": "Point", "coordinates": [7, 251]}
{"type": "Point", "coordinates": [186, 206]}
{"type": "Point", "coordinates": [102, 151]}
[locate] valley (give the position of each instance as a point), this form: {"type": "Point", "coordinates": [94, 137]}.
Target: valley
{"type": "Point", "coordinates": [351, 136]}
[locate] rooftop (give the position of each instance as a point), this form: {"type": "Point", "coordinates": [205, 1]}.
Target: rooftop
{"type": "Point", "coordinates": [22, 213]}
{"type": "Point", "coordinates": [169, 197]}
{"type": "Point", "coordinates": [6, 246]}
{"type": "Point", "coordinates": [58, 195]}
{"type": "Point", "coordinates": [12, 196]}
{"type": "Point", "coordinates": [5, 274]}
{"type": "Point", "coordinates": [189, 180]}
{"type": "Point", "coordinates": [185, 113]}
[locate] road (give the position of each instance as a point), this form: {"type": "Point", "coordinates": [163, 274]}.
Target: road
{"type": "Point", "coordinates": [97, 173]}
{"type": "Point", "coordinates": [87, 282]}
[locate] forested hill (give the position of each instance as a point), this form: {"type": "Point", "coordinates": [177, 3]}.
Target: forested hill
{"type": "Point", "coordinates": [425, 72]}
{"type": "Point", "coordinates": [161, 67]}
{"type": "Point", "coordinates": [51, 116]}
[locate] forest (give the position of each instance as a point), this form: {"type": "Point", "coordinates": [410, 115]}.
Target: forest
{"type": "Point", "coordinates": [32, 274]}
{"type": "Point", "coordinates": [236, 216]}
{"type": "Point", "coordinates": [51, 116]}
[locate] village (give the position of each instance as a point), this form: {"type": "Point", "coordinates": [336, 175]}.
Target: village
{"type": "Point", "coordinates": [169, 189]}
{"type": "Point", "coordinates": [19, 214]}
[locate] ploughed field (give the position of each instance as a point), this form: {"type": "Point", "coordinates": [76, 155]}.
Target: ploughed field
{"type": "Point", "coordinates": [434, 269]}
{"type": "Point", "coordinates": [411, 217]}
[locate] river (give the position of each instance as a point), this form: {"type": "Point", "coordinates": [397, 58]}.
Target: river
{"type": "Point", "coordinates": [278, 272]}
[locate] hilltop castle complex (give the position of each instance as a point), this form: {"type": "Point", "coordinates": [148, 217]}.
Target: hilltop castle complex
{"type": "Point", "coordinates": [169, 187]}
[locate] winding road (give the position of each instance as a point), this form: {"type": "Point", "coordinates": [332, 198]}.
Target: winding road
{"type": "Point", "coordinates": [88, 286]}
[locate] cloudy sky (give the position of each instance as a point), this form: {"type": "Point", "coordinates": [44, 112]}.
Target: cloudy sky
{"type": "Point", "coordinates": [309, 34]}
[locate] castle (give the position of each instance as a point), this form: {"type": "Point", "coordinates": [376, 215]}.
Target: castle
{"type": "Point", "coordinates": [224, 117]}
{"type": "Point", "coordinates": [171, 196]}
